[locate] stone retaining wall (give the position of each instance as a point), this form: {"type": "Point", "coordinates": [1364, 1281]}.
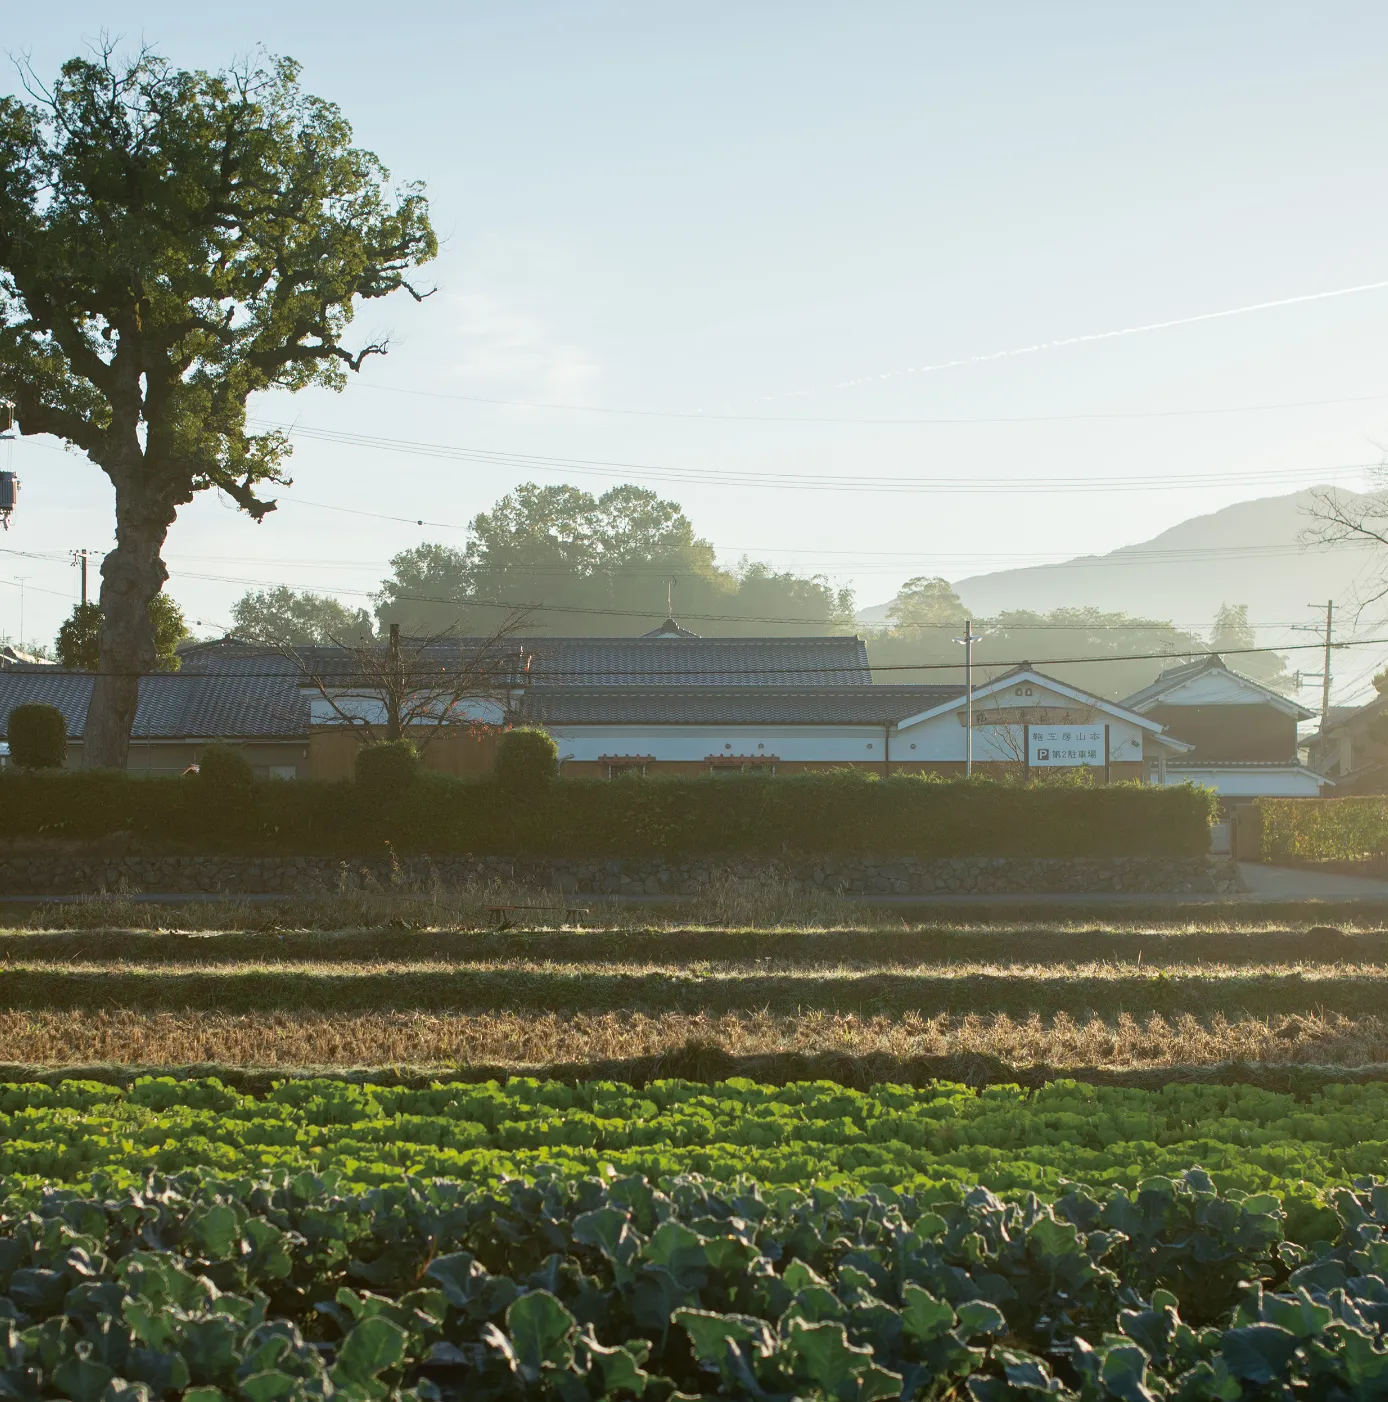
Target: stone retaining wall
{"type": "Point", "coordinates": [89, 875]}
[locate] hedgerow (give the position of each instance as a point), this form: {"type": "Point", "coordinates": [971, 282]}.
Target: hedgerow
{"type": "Point", "coordinates": [285, 1286]}
{"type": "Point", "coordinates": [935, 1140]}
{"type": "Point", "coordinates": [833, 813]}
{"type": "Point", "coordinates": [1322, 829]}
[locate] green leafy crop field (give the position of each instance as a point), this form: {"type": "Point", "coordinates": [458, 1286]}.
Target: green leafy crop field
{"type": "Point", "coordinates": [835, 1163]}
{"type": "Point", "coordinates": [939, 1141]}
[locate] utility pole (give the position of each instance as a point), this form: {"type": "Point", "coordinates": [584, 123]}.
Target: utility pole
{"type": "Point", "coordinates": [1325, 675]}
{"type": "Point", "coordinates": [21, 610]}
{"type": "Point", "coordinates": [397, 698]}
{"type": "Point", "coordinates": [968, 641]}
{"type": "Point", "coordinates": [79, 557]}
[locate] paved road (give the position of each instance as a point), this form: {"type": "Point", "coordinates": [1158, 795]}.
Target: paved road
{"type": "Point", "coordinates": [1293, 883]}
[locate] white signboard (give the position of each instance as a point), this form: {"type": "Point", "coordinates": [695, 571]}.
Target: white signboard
{"type": "Point", "coordinates": [1051, 746]}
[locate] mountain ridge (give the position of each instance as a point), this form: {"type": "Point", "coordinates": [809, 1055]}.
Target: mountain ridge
{"type": "Point", "coordinates": [1246, 553]}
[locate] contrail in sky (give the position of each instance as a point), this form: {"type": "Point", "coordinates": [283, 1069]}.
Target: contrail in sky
{"type": "Point", "coordinates": [1094, 336]}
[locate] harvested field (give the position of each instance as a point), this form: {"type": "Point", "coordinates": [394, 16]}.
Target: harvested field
{"type": "Point", "coordinates": [1020, 990]}
{"type": "Point", "coordinates": [536, 1040]}
{"type": "Point", "coordinates": [899, 946]}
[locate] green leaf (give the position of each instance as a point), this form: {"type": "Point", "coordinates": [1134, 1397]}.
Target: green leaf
{"type": "Point", "coordinates": [541, 1331]}
{"type": "Point", "coordinates": [81, 1379]}
{"type": "Point", "coordinates": [460, 1277]}
{"type": "Point", "coordinates": [979, 1317]}
{"type": "Point", "coordinates": [923, 1317]}
{"type": "Point", "coordinates": [679, 1250]}
{"type": "Point", "coordinates": [711, 1335]}
{"type": "Point", "coordinates": [269, 1386]}
{"type": "Point", "coordinates": [1124, 1373]}
{"type": "Point", "coordinates": [374, 1345]}
{"type": "Point", "coordinates": [608, 1230]}
{"type": "Point", "coordinates": [1259, 1353]}
{"type": "Point", "coordinates": [619, 1367]}
{"type": "Point", "coordinates": [824, 1356]}
{"type": "Point", "coordinates": [878, 1382]}
{"type": "Point", "coordinates": [216, 1231]}
{"type": "Point", "coordinates": [204, 1394]}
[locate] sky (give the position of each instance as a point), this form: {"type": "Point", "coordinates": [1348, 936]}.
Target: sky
{"type": "Point", "coordinates": [691, 245]}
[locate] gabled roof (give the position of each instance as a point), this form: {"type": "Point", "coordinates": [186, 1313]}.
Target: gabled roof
{"type": "Point", "coordinates": [661, 660]}
{"type": "Point", "coordinates": [732, 705]}
{"type": "Point", "coordinates": [173, 705]}
{"type": "Point", "coordinates": [1186, 672]}
{"type": "Point", "coordinates": [1073, 693]}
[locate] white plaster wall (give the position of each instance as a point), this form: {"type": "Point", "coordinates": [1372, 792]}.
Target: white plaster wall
{"type": "Point", "coordinates": [1249, 783]}
{"type": "Point", "coordinates": [804, 743]}
{"type": "Point", "coordinates": [371, 709]}
{"type": "Point", "coordinates": [1215, 688]}
{"type": "Point", "coordinates": [942, 737]}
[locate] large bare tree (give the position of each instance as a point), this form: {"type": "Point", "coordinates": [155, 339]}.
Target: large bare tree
{"type": "Point", "coordinates": [1359, 518]}
{"type": "Point", "coordinates": [415, 688]}
{"type": "Point", "coordinates": [172, 242]}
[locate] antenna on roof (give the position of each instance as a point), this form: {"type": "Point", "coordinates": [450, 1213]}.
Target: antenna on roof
{"type": "Point", "coordinates": [670, 598]}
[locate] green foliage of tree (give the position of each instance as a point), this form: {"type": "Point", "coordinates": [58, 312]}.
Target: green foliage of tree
{"type": "Point", "coordinates": [596, 565]}
{"type": "Point", "coordinates": [1116, 643]}
{"type": "Point", "coordinates": [79, 638]}
{"type": "Point", "coordinates": [926, 602]}
{"type": "Point", "coordinates": [172, 242]}
{"type": "Point", "coordinates": [283, 615]}
{"type": "Point", "coordinates": [37, 736]}
{"type": "Point", "coordinates": [1232, 633]}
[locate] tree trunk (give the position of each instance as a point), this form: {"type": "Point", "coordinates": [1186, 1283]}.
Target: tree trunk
{"type": "Point", "coordinates": [131, 575]}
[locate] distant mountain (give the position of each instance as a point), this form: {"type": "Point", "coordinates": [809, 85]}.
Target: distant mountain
{"type": "Point", "coordinates": [1249, 553]}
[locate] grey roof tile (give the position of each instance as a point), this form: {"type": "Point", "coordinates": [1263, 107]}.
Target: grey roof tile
{"type": "Point", "coordinates": [645, 661]}
{"type": "Point", "coordinates": [740, 705]}
{"type": "Point", "coordinates": [173, 705]}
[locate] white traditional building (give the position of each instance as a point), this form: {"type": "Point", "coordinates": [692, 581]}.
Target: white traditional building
{"type": "Point", "coordinates": [1242, 735]}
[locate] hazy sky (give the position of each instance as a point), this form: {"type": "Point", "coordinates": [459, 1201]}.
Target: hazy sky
{"type": "Point", "coordinates": [686, 211]}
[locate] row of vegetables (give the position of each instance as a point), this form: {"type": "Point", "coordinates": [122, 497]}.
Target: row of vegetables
{"type": "Point", "coordinates": [286, 1287]}
{"type": "Point", "coordinates": [939, 1140]}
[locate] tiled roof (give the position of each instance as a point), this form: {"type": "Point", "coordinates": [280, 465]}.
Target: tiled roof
{"type": "Point", "coordinates": [173, 705]}
{"type": "Point", "coordinates": [650, 661]}
{"type": "Point", "coordinates": [729, 705]}
{"type": "Point", "coordinates": [1171, 677]}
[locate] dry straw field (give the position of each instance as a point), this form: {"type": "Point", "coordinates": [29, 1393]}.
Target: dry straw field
{"type": "Point", "coordinates": [751, 975]}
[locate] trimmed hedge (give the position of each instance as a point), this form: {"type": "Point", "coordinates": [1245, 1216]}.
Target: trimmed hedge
{"type": "Point", "coordinates": [38, 736]}
{"type": "Point", "coordinates": [1322, 829]}
{"type": "Point", "coordinates": [844, 813]}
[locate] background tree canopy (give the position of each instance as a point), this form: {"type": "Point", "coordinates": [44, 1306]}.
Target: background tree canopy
{"type": "Point", "coordinates": [283, 615]}
{"type": "Point", "coordinates": [78, 639]}
{"type": "Point", "coordinates": [596, 565]}
{"type": "Point", "coordinates": [601, 565]}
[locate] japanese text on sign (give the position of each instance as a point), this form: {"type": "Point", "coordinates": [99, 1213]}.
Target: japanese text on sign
{"type": "Point", "coordinates": [1054, 745]}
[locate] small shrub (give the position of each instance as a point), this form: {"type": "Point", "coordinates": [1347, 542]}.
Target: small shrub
{"type": "Point", "coordinates": [388, 769]}
{"type": "Point", "coordinates": [225, 767]}
{"type": "Point", "coordinates": [38, 737]}
{"type": "Point", "coordinates": [527, 760]}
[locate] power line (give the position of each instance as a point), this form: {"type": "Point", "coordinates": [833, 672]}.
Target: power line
{"type": "Point", "coordinates": [860, 419]}
{"type": "Point", "coordinates": [723, 671]}
{"type": "Point", "coordinates": [800, 482]}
